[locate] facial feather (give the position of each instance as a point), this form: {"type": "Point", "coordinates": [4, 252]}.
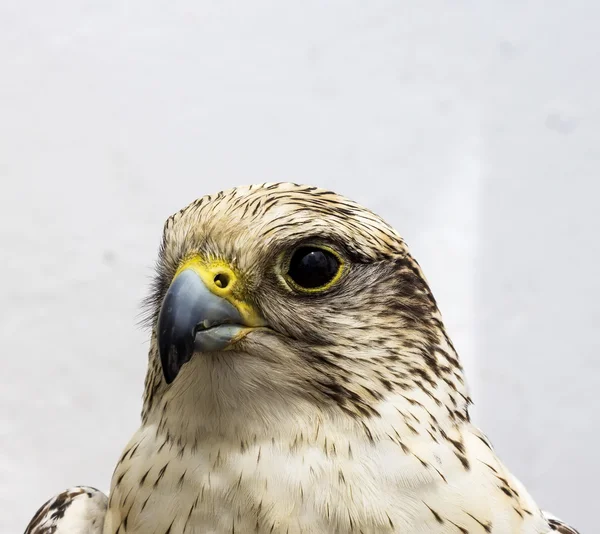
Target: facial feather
{"type": "Point", "coordinates": [375, 333]}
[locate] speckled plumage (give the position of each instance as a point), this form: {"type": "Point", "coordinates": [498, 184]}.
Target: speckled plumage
{"type": "Point", "coordinates": [348, 413]}
{"type": "Point", "coordinates": [77, 510]}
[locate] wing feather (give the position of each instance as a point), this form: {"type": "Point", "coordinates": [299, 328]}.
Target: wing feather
{"type": "Point", "coordinates": [558, 526]}
{"type": "Point", "coordinates": [78, 510]}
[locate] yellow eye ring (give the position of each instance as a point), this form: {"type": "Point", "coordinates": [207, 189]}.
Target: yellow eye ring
{"type": "Point", "coordinates": [313, 268]}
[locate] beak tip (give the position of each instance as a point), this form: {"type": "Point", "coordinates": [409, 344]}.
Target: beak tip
{"type": "Point", "coordinates": [187, 305]}
{"type": "Point", "coordinates": [168, 377]}
{"type": "Point", "coordinates": [172, 360]}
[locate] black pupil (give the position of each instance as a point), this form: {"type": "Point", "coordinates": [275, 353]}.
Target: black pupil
{"type": "Point", "coordinates": [312, 267]}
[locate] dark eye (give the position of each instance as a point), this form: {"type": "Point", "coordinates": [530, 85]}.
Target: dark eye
{"type": "Point", "coordinates": [312, 267]}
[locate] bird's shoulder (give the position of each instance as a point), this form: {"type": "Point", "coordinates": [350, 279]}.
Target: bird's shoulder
{"type": "Point", "coordinates": [558, 526]}
{"type": "Point", "coordinates": [77, 510]}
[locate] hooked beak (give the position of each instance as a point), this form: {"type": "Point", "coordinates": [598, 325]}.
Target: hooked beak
{"type": "Point", "coordinates": [197, 316]}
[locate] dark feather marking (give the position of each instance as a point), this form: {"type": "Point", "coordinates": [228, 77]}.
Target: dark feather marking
{"type": "Point", "coordinates": [562, 528]}
{"type": "Point", "coordinates": [486, 526]}
{"type": "Point", "coordinates": [160, 474]}
{"type": "Point", "coordinates": [47, 517]}
{"type": "Point", "coordinates": [143, 479]}
{"type": "Point", "coordinates": [437, 516]}
{"type": "Point", "coordinates": [462, 529]}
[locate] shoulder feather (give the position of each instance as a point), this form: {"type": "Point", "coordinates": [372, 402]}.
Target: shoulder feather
{"type": "Point", "coordinates": [78, 510]}
{"type": "Point", "coordinates": [558, 526]}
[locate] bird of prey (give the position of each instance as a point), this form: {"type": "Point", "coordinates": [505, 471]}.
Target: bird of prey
{"type": "Point", "coordinates": [300, 380]}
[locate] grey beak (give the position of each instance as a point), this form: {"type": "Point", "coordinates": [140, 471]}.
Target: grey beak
{"type": "Point", "coordinates": [193, 319]}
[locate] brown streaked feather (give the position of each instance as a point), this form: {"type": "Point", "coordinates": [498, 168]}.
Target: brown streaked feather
{"type": "Point", "coordinates": [559, 526]}
{"type": "Point", "coordinates": [56, 516]}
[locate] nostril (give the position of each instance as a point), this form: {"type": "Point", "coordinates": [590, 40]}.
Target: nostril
{"type": "Point", "coordinates": [221, 280]}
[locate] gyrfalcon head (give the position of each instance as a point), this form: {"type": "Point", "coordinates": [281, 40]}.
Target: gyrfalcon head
{"type": "Point", "coordinates": [271, 294]}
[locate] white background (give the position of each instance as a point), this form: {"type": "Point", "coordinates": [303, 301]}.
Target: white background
{"type": "Point", "coordinates": [471, 126]}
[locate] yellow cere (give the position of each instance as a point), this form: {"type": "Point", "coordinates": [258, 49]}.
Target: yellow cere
{"type": "Point", "coordinates": [222, 280]}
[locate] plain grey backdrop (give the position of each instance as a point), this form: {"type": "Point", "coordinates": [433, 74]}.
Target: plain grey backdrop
{"type": "Point", "coordinates": [471, 126]}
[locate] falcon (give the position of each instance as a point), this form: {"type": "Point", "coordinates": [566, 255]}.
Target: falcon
{"type": "Point", "coordinates": [300, 380]}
